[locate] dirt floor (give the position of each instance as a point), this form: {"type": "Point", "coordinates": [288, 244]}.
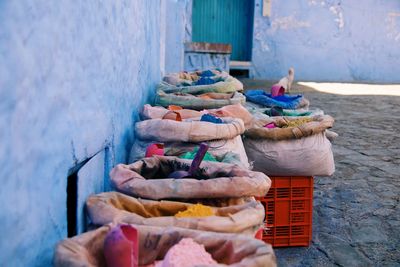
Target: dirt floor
{"type": "Point", "coordinates": [356, 215]}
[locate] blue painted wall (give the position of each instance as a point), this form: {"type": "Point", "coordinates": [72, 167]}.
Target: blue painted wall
{"type": "Point", "coordinates": [176, 16]}
{"type": "Point", "coordinates": [328, 40]}
{"type": "Point", "coordinates": [73, 75]}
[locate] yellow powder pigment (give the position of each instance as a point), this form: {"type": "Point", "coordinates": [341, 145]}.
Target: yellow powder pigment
{"type": "Point", "coordinates": [296, 122]}
{"type": "Point", "coordinates": [197, 210]}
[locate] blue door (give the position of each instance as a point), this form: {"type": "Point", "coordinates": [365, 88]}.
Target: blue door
{"type": "Point", "coordinates": [225, 21]}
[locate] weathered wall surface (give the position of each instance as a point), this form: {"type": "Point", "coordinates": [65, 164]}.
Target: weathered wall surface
{"type": "Point", "coordinates": [328, 40]}
{"type": "Point", "coordinates": [175, 22]}
{"type": "Point", "coordinates": [73, 75]}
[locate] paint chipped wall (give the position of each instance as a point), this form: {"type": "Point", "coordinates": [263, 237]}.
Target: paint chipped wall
{"type": "Point", "coordinates": [328, 40]}
{"type": "Point", "coordinates": [392, 22]}
{"type": "Point", "coordinates": [73, 75]}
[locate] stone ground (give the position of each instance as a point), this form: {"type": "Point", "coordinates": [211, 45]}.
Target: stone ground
{"type": "Point", "coordinates": [356, 215]}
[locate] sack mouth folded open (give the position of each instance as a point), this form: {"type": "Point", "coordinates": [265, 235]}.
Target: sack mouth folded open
{"type": "Point", "coordinates": [147, 178]}
{"type": "Point", "coordinates": [314, 125]}
{"type": "Point", "coordinates": [110, 207]}
{"type": "Point", "coordinates": [234, 111]}
{"type": "Point", "coordinates": [188, 130]}
{"type": "Point", "coordinates": [223, 150]}
{"type": "Point", "coordinates": [154, 242]}
{"type": "Point", "coordinates": [177, 135]}
{"type": "Point", "coordinates": [198, 102]}
{"type": "Point", "coordinates": [187, 82]}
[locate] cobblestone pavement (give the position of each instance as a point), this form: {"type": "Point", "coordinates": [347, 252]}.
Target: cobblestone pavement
{"type": "Point", "coordinates": [356, 215]}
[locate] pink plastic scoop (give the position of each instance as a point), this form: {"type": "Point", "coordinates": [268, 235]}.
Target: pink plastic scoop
{"type": "Point", "coordinates": [121, 246]}
{"type": "Point", "coordinates": [277, 90]}
{"type": "Point", "coordinates": [198, 158]}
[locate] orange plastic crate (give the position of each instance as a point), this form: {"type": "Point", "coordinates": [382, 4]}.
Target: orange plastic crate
{"type": "Point", "coordinates": [288, 211]}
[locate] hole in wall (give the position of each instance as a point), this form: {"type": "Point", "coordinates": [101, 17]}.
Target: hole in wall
{"type": "Point", "coordinates": [239, 73]}
{"type": "Point", "coordinates": [72, 199]}
{"type": "Point", "coordinates": [81, 183]}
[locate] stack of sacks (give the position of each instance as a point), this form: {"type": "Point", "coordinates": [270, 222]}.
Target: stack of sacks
{"type": "Point", "coordinates": [183, 135]}
{"type": "Point", "coordinates": [203, 106]}
{"type": "Point", "coordinates": [167, 244]}
{"type": "Point", "coordinates": [228, 189]}
{"type": "Point", "coordinates": [295, 146]}
{"type": "Point", "coordinates": [213, 203]}
{"type": "Point", "coordinates": [200, 90]}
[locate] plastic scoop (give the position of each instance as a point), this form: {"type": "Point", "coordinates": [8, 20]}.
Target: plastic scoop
{"type": "Point", "coordinates": [121, 246]}
{"type": "Point", "coordinates": [174, 107]}
{"type": "Point", "coordinates": [155, 149]}
{"type": "Point", "coordinates": [274, 111]}
{"type": "Point", "coordinates": [195, 164]}
{"type": "Point", "coordinates": [211, 118]}
{"type": "Point", "coordinates": [177, 116]}
{"type": "Point", "coordinates": [277, 90]}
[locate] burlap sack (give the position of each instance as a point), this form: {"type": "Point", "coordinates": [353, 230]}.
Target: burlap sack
{"type": "Point", "coordinates": [147, 178]}
{"type": "Point", "coordinates": [111, 207]}
{"type": "Point", "coordinates": [195, 102]}
{"type": "Point", "coordinates": [190, 130]}
{"type": "Point", "coordinates": [173, 82]}
{"type": "Point", "coordinates": [307, 156]}
{"type": "Point", "coordinates": [256, 109]}
{"type": "Point", "coordinates": [225, 150]}
{"type": "Point", "coordinates": [318, 125]}
{"type": "Point", "coordinates": [154, 242]}
{"type": "Point", "coordinates": [285, 101]}
{"type": "Point", "coordinates": [183, 136]}
{"type": "Point", "coordinates": [233, 111]}
{"type": "Point", "coordinates": [157, 112]}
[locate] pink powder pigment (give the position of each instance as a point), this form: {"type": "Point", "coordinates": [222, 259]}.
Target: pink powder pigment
{"type": "Point", "coordinates": [270, 125]}
{"type": "Point", "coordinates": [154, 264]}
{"type": "Point", "coordinates": [186, 253]}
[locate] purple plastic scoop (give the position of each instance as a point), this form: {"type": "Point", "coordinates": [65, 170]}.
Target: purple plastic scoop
{"type": "Point", "coordinates": [198, 158]}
